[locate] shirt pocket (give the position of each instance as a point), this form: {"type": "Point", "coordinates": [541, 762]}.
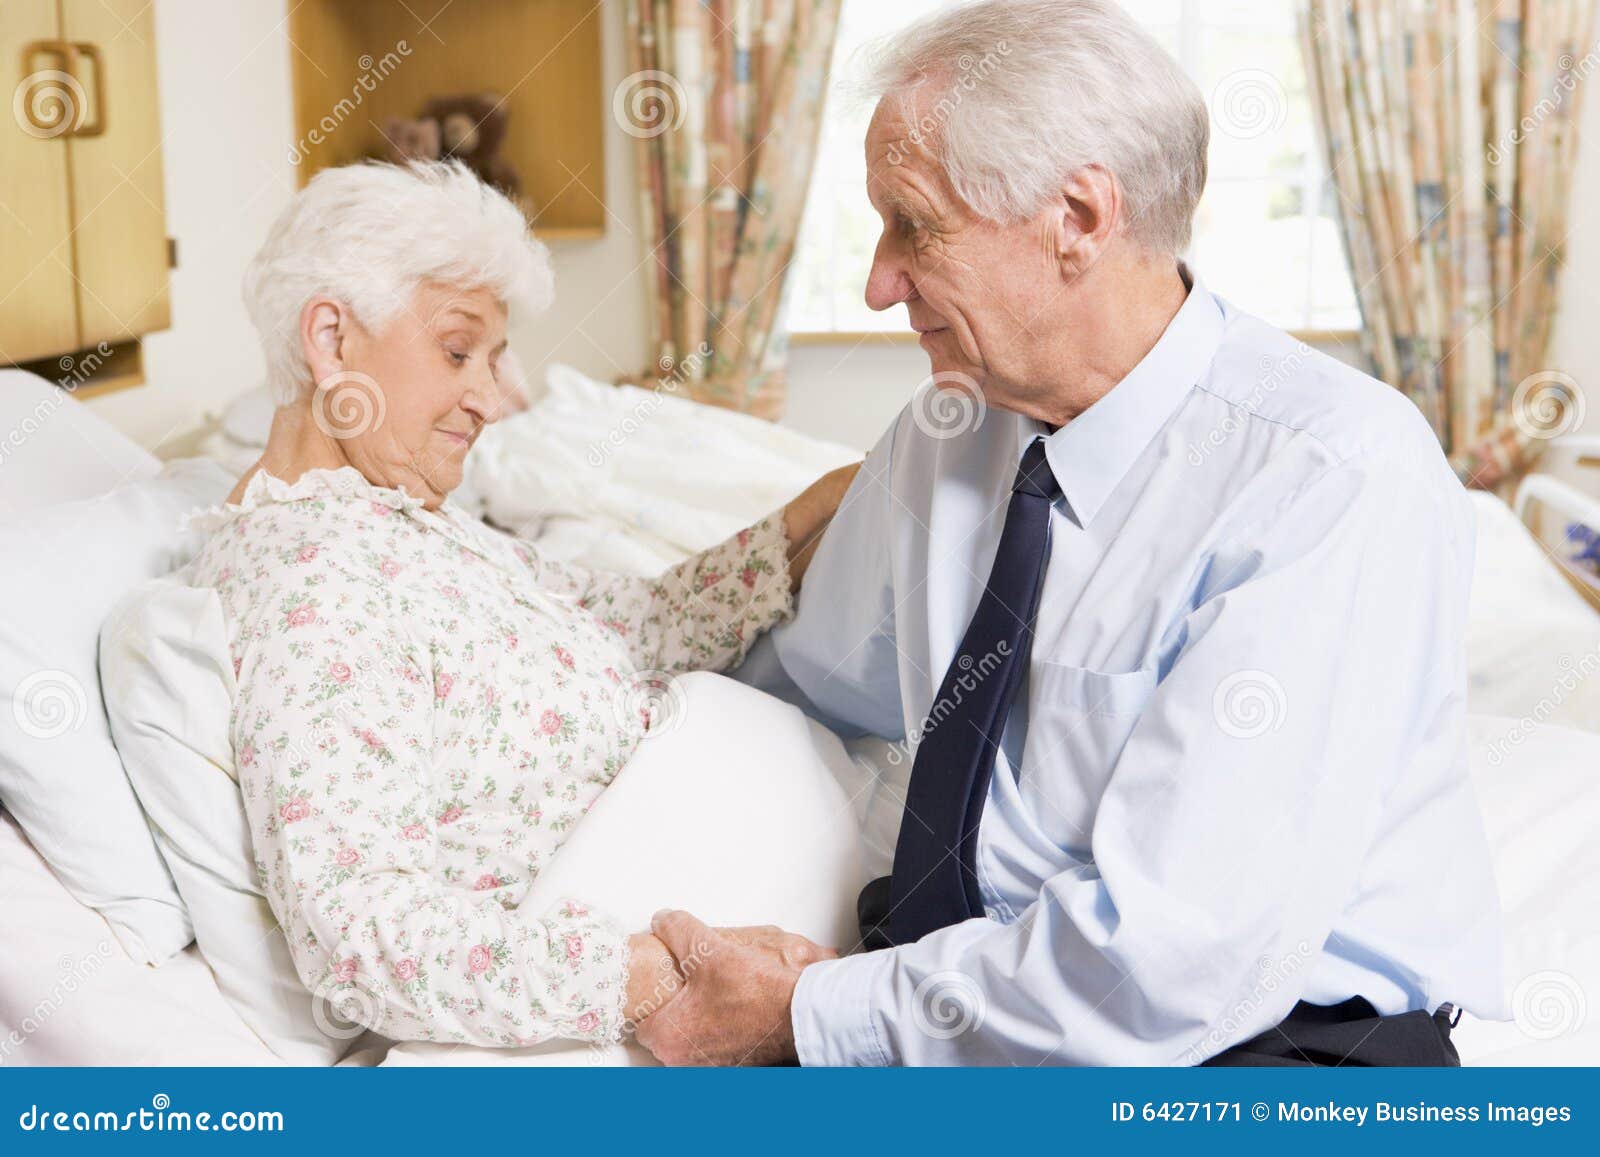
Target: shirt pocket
{"type": "Point", "coordinates": [1079, 722]}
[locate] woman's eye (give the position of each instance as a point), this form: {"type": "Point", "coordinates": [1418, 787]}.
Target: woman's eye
{"type": "Point", "coordinates": [458, 358]}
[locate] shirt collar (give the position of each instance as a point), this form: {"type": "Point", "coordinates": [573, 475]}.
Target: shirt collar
{"type": "Point", "coordinates": [1092, 453]}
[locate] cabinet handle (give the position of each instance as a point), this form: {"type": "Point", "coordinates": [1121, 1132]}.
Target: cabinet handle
{"type": "Point", "coordinates": [92, 53]}
{"type": "Point", "coordinates": [50, 100]}
{"type": "Point", "coordinates": [53, 101]}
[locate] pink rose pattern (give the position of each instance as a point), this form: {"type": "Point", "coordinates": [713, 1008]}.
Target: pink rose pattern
{"type": "Point", "coordinates": [425, 711]}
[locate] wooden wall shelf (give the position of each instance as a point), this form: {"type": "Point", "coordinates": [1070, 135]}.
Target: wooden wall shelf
{"type": "Point", "coordinates": [356, 63]}
{"type": "Point", "coordinates": [95, 372]}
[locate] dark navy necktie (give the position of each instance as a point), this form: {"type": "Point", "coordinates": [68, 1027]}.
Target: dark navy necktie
{"type": "Point", "coordinates": [934, 881]}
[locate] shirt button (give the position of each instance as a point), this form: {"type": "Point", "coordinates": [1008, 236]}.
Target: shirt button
{"type": "Point", "coordinates": [991, 911]}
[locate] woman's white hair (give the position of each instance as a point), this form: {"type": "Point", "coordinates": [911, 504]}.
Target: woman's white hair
{"type": "Point", "coordinates": [367, 235]}
{"type": "Point", "coordinates": [1026, 92]}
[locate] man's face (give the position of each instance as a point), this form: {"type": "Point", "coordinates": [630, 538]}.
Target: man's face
{"type": "Point", "coordinates": [973, 289]}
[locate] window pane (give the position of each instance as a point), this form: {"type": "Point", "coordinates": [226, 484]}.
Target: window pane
{"type": "Point", "coordinates": [1333, 296]}
{"type": "Point", "coordinates": [1264, 237]}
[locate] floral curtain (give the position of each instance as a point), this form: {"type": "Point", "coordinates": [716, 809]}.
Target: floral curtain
{"type": "Point", "coordinates": [1450, 128]}
{"type": "Point", "coordinates": [725, 98]}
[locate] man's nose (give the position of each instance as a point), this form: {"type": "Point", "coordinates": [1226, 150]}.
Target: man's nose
{"type": "Point", "coordinates": [888, 283]}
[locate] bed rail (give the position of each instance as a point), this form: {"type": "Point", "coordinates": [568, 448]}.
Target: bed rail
{"type": "Point", "coordinates": [1543, 495]}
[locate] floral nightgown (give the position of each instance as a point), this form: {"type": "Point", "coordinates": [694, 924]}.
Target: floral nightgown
{"type": "Point", "coordinates": [425, 710]}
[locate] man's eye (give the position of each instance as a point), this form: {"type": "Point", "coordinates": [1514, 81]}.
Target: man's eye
{"type": "Point", "coordinates": [459, 359]}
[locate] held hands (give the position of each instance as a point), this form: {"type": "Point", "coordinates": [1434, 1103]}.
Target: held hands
{"type": "Point", "coordinates": [733, 1006]}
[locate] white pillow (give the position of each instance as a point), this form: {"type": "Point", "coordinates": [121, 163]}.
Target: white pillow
{"type": "Point", "coordinates": [66, 567]}
{"type": "Point", "coordinates": [735, 813]}
{"type": "Point", "coordinates": [1539, 788]}
{"type": "Point", "coordinates": [54, 449]}
{"type": "Point", "coordinates": [169, 689]}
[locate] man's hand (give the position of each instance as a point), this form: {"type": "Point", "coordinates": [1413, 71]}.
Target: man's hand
{"type": "Point", "coordinates": [734, 1008]}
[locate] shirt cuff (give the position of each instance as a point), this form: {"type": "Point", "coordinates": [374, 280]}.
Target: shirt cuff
{"type": "Point", "coordinates": [835, 1022]}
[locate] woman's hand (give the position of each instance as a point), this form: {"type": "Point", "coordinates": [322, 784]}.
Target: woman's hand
{"type": "Point", "coordinates": [808, 516]}
{"type": "Point", "coordinates": [653, 977]}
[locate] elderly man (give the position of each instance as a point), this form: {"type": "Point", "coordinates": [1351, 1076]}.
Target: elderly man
{"type": "Point", "coordinates": [1174, 620]}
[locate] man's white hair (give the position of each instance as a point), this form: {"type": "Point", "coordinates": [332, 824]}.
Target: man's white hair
{"type": "Point", "coordinates": [367, 235]}
{"type": "Point", "coordinates": [1026, 92]}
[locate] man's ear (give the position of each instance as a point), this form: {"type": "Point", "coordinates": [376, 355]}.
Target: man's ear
{"type": "Point", "coordinates": [1086, 218]}
{"type": "Point", "coordinates": [323, 324]}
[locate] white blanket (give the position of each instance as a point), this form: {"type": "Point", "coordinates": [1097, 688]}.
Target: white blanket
{"type": "Point", "coordinates": [618, 478]}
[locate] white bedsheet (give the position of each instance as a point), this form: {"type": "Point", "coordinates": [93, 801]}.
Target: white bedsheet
{"type": "Point", "coordinates": [69, 995]}
{"type": "Point", "coordinates": [1533, 644]}
{"type": "Point", "coordinates": [679, 479]}
{"type": "Point", "coordinates": [72, 996]}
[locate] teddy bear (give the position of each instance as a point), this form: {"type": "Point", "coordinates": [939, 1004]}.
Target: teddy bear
{"type": "Point", "coordinates": [470, 128]}
{"type": "Point", "coordinates": [410, 140]}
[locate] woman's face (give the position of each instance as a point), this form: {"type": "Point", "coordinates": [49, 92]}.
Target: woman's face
{"type": "Point", "coordinates": [404, 405]}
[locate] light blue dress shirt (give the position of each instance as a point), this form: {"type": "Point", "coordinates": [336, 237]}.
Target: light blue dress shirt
{"type": "Point", "coordinates": [1236, 776]}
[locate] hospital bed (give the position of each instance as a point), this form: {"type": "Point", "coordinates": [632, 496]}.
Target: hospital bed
{"type": "Point", "coordinates": [678, 477]}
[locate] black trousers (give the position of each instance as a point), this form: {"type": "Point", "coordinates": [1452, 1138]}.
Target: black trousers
{"type": "Point", "coordinates": [1349, 1034]}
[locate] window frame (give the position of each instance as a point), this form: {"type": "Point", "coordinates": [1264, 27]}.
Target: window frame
{"type": "Point", "coordinates": [1189, 31]}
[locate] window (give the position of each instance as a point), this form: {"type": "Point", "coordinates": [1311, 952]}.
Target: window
{"type": "Point", "coordinates": [1266, 235]}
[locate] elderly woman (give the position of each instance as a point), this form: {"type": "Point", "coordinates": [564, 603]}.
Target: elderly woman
{"type": "Point", "coordinates": [426, 707]}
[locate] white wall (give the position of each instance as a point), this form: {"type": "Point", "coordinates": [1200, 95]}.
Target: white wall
{"type": "Point", "coordinates": [225, 104]}
{"type": "Point", "coordinates": [850, 392]}
{"type": "Point", "coordinates": [226, 129]}
{"type": "Point", "coordinates": [227, 125]}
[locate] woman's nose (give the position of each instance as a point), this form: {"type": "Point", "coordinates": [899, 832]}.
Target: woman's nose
{"type": "Point", "coordinates": [482, 398]}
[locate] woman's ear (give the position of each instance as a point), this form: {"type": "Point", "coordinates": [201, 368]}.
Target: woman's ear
{"type": "Point", "coordinates": [322, 335]}
{"type": "Point", "coordinates": [1086, 218]}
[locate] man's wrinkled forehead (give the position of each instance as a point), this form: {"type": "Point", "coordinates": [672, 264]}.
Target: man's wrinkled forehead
{"type": "Point", "coordinates": [896, 120]}
{"type": "Point", "coordinates": [900, 158]}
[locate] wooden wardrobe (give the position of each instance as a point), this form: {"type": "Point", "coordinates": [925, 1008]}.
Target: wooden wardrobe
{"type": "Point", "coordinates": [84, 253]}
